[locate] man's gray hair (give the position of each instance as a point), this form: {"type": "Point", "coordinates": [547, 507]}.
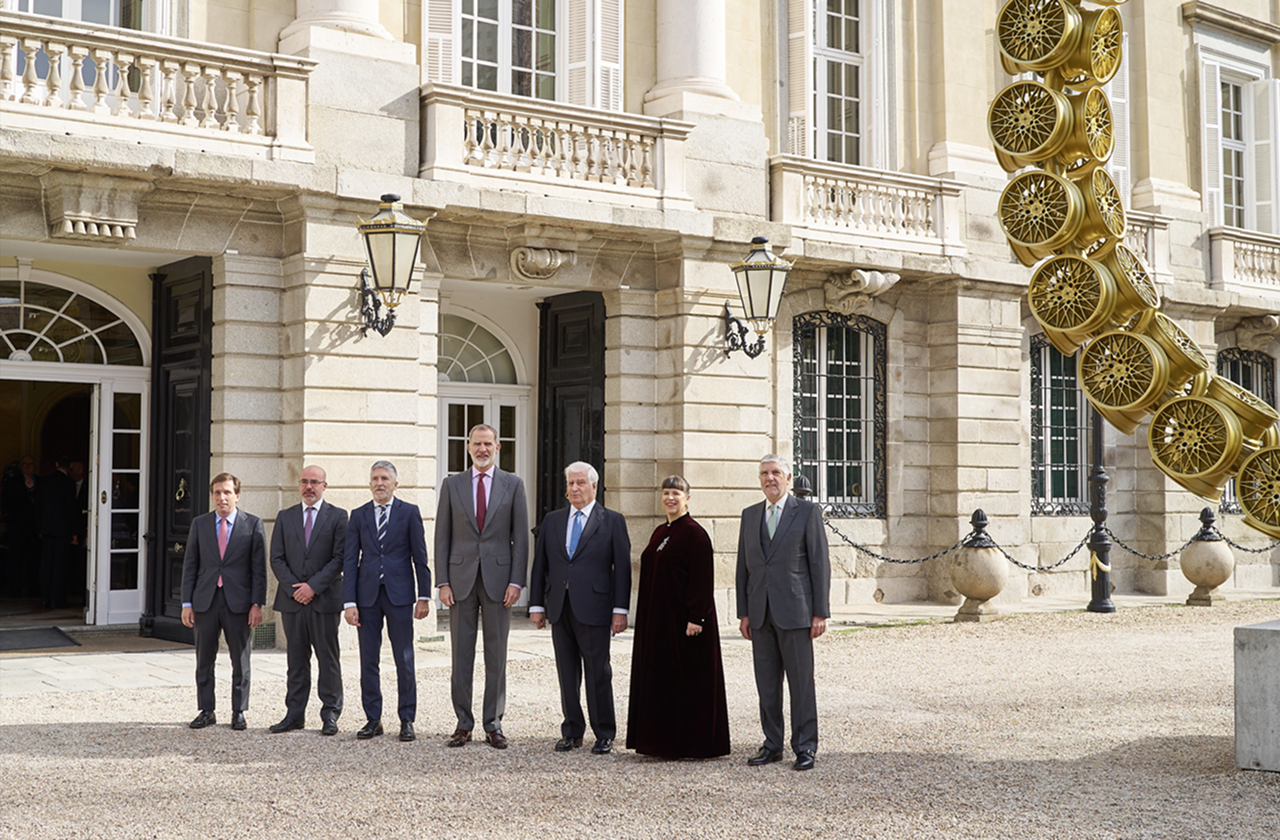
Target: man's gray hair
{"type": "Point", "coordinates": [582, 466]}
{"type": "Point", "coordinates": [774, 458]}
{"type": "Point", "coordinates": [482, 427]}
{"type": "Point", "coordinates": [385, 465]}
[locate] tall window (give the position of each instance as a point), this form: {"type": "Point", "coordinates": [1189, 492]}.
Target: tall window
{"type": "Point", "coordinates": [840, 411]}
{"type": "Point", "coordinates": [1255, 372]}
{"type": "Point", "coordinates": [1059, 434]}
{"type": "Point", "coordinates": [509, 46]}
{"type": "Point", "coordinates": [838, 81]}
{"type": "Point", "coordinates": [1233, 153]}
{"type": "Point", "coordinates": [123, 13]}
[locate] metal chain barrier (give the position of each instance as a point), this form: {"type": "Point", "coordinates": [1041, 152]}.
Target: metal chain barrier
{"type": "Point", "coordinates": [1121, 543]}
{"type": "Point", "coordinates": [1061, 562]}
{"type": "Point", "coordinates": [1236, 545]}
{"type": "Point", "coordinates": [863, 549]}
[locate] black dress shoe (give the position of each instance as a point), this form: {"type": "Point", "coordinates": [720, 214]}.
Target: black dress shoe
{"type": "Point", "coordinates": [459, 738]}
{"type": "Point", "coordinates": [804, 760]}
{"type": "Point", "coordinates": [370, 729]}
{"type": "Point", "coordinates": [286, 725]}
{"type": "Point", "coordinates": [602, 746]}
{"type": "Point", "coordinates": [406, 730]}
{"type": "Point", "coordinates": [496, 739]}
{"type": "Point", "coordinates": [330, 727]}
{"type": "Point", "coordinates": [764, 756]}
{"type": "Point", "coordinates": [203, 719]}
{"type": "Point", "coordinates": [238, 722]}
{"type": "Point", "coordinates": [566, 744]}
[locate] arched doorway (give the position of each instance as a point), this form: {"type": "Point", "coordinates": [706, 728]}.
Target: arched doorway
{"type": "Point", "coordinates": [75, 382]}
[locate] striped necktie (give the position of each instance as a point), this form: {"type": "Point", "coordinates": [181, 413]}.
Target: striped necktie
{"type": "Point", "coordinates": [773, 520]}
{"type": "Point", "coordinates": [382, 525]}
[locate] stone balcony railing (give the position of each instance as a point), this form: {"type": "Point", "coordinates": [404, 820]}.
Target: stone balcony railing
{"type": "Point", "coordinates": [872, 208]}
{"type": "Point", "coordinates": [1244, 261]}
{"type": "Point", "coordinates": [66, 77]}
{"type": "Point", "coordinates": [1147, 235]}
{"type": "Point", "coordinates": [553, 149]}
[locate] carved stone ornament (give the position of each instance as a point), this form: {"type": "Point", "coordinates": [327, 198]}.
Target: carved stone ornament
{"type": "Point", "coordinates": [540, 263]}
{"type": "Point", "coordinates": [1256, 333]}
{"type": "Point", "coordinates": [851, 294]}
{"type": "Point", "coordinates": [90, 207]}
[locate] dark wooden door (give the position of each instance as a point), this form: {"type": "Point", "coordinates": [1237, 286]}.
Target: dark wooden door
{"type": "Point", "coordinates": [570, 392]}
{"type": "Point", "coordinates": [182, 357]}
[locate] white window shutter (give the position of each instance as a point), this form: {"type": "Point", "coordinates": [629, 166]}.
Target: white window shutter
{"type": "Point", "coordinates": [580, 49]}
{"type": "Point", "coordinates": [800, 80]}
{"type": "Point", "coordinates": [1117, 91]}
{"type": "Point", "coordinates": [594, 69]}
{"type": "Point", "coordinates": [1266, 104]}
{"type": "Point", "coordinates": [610, 55]}
{"type": "Point", "coordinates": [441, 57]}
{"type": "Point", "coordinates": [1210, 137]}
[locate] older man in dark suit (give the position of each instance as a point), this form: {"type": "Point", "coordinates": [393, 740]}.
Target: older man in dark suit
{"type": "Point", "coordinates": [224, 583]}
{"type": "Point", "coordinates": [386, 551]}
{"type": "Point", "coordinates": [56, 514]}
{"type": "Point", "coordinates": [482, 553]}
{"type": "Point", "coordinates": [307, 546]}
{"type": "Point", "coordinates": [582, 582]}
{"type": "Point", "coordinates": [784, 585]}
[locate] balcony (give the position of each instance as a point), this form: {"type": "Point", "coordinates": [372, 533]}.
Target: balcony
{"type": "Point", "coordinates": [1147, 235]}
{"type": "Point", "coordinates": [509, 143]}
{"type": "Point", "coordinates": [65, 77]}
{"type": "Point", "coordinates": [1244, 261]}
{"type": "Point", "coordinates": [870, 208]}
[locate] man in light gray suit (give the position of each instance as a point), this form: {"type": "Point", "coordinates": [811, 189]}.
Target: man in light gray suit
{"type": "Point", "coordinates": [307, 546]}
{"type": "Point", "coordinates": [482, 553]}
{"type": "Point", "coordinates": [784, 586]}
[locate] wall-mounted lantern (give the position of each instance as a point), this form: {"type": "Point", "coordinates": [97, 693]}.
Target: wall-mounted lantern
{"type": "Point", "coordinates": [392, 240]}
{"type": "Point", "coordinates": [761, 277]}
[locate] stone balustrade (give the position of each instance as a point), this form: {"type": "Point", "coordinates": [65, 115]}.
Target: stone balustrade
{"type": "Point", "coordinates": [68, 77]}
{"type": "Point", "coordinates": [552, 148]}
{"type": "Point", "coordinates": [1244, 261]}
{"type": "Point", "coordinates": [868, 207]}
{"type": "Point", "coordinates": [1147, 235]}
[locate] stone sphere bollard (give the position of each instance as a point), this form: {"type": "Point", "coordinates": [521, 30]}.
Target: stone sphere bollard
{"type": "Point", "coordinates": [979, 572]}
{"type": "Point", "coordinates": [1207, 562]}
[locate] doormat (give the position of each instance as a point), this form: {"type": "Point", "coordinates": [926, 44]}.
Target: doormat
{"type": "Point", "coordinates": [34, 639]}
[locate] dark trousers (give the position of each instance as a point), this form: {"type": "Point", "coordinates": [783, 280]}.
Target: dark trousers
{"type": "Point", "coordinates": [776, 651]}
{"type": "Point", "coordinates": [235, 626]}
{"type": "Point", "coordinates": [308, 630]}
{"type": "Point", "coordinates": [399, 622]}
{"type": "Point", "coordinates": [54, 559]}
{"type": "Point", "coordinates": [583, 648]}
{"type": "Point", "coordinates": [467, 617]}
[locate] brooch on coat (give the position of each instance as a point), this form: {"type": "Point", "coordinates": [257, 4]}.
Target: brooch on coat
{"type": "Point", "coordinates": [662, 544]}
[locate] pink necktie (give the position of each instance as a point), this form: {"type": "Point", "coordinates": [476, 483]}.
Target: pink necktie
{"type": "Point", "coordinates": [481, 506]}
{"type": "Point", "coordinates": [222, 542]}
{"type": "Point", "coordinates": [306, 528]}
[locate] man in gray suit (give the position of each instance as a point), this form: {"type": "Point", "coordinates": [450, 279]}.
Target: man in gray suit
{"type": "Point", "coordinates": [307, 546]}
{"type": "Point", "coordinates": [784, 586]}
{"type": "Point", "coordinates": [482, 552]}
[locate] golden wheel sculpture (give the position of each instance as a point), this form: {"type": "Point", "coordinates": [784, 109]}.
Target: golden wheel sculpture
{"type": "Point", "coordinates": [1072, 298]}
{"type": "Point", "coordinates": [1040, 213]}
{"type": "Point", "coordinates": [1185, 357]}
{"type": "Point", "coordinates": [1255, 416]}
{"type": "Point", "coordinates": [1037, 34]}
{"type": "Point", "coordinates": [1258, 489]}
{"type": "Point", "coordinates": [1028, 123]}
{"type": "Point", "coordinates": [1098, 54]}
{"type": "Point", "coordinates": [1123, 371]}
{"type": "Point", "coordinates": [1135, 288]}
{"type": "Point", "coordinates": [1092, 139]}
{"type": "Point", "coordinates": [1196, 441]}
{"type": "Point", "coordinates": [1104, 222]}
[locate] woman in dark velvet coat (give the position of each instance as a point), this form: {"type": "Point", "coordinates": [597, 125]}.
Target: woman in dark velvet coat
{"type": "Point", "coordinates": [677, 705]}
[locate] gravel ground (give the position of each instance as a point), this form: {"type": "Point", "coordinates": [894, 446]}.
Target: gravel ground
{"type": "Point", "coordinates": [1064, 725]}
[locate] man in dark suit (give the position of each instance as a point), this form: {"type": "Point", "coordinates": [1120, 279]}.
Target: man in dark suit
{"type": "Point", "coordinates": [582, 582]}
{"type": "Point", "coordinates": [56, 513]}
{"type": "Point", "coordinates": [482, 553]}
{"type": "Point", "coordinates": [386, 550]}
{"type": "Point", "coordinates": [79, 551]}
{"type": "Point", "coordinates": [784, 585]}
{"type": "Point", "coordinates": [224, 584]}
{"type": "Point", "coordinates": [307, 546]}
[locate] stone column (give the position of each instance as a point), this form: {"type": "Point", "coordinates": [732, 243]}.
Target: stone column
{"type": "Point", "coordinates": [691, 49]}
{"type": "Point", "coordinates": [358, 16]}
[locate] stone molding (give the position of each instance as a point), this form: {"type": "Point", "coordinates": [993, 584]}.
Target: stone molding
{"type": "Point", "coordinates": [91, 207]}
{"type": "Point", "coordinates": [1231, 22]}
{"type": "Point", "coordinates": [851, 294]}
{"type": "Point", "coordinates": [540, 263]}
{"type": "Point", "coordinates": [1257, 333]}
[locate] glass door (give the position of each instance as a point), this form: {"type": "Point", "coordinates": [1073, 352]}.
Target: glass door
{"type": "Point", "coordinates": [120, 485]}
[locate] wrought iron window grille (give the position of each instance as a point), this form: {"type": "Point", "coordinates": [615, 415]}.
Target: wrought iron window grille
{"type": "Point", "coordinates": [1060, 432]}
{"type": "Point", "coordinates": [1256, 372]}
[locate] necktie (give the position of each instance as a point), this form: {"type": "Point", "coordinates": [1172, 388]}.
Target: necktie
{"type": "Point", "coordinates": [576, 533]}
{"type": "Point", "coordinates": [482, 506]}
{"type": "Point", "coordinates": [382, 524]}
{"type": "Point", "coordinates": [306, 528]}
{"type": "Point", "coordinates": [773, 520]}
{"type": "Point", "coordinates": [222, 542]}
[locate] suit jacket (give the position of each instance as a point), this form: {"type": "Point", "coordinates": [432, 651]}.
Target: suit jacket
{"type": "Point", "coordinates": [318, 564]}
{"type": "Point", "coordinates": [56, 505]}
{"type": "Point", "coordinates": [597, 576]}
{"type": "Point", "coordinates": [792, 576]}
{"type": "Point", "coordinates": [82, 510]}
{"type": "Point", "coordinates": [243, 568]}
{"type": "Point", "coordinates": [366, 565]}
{"type": "Point", "coordinates": [502, 549]}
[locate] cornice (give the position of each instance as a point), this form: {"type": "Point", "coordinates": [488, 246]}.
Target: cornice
{"type": "Point", "coordinates": [1233, 23]}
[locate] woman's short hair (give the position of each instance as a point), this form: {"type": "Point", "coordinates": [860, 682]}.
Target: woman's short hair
{"type": "Point", "coordinates": [675, 482]}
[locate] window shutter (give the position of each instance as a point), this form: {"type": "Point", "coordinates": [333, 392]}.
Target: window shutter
{"type": "Point", "coordinates": [580, 40]}
{"type": "Point", "coordinates": [1117, 91]}
{"type": "Point", "coordinates": [441, 42]}
{"type": "Point", "coordinates": [610, 56]}
{"type": "Point", "coordinates": [1266, 106]}
{"type": "Point", "coordinates": [800, 81]}
{"type": "Point", "coordinates": [1210, 137]}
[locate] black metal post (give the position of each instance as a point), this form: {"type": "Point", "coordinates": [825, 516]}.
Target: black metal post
{"type": "Point", "coordinates": [1099, 542]}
